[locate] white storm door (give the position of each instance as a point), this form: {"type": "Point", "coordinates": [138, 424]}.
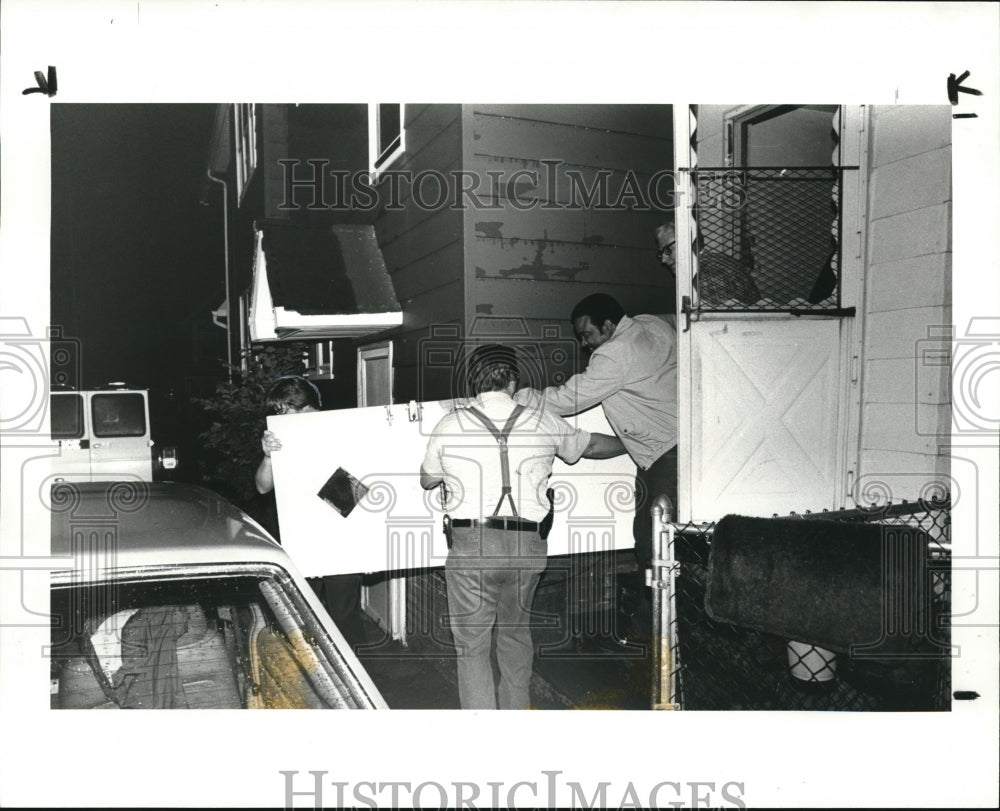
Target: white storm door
{"type": "Point", "coordinates": [766, 388]}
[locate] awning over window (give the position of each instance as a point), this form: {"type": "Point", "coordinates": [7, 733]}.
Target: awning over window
{"type": "Point", "coordinates": [315, 283]}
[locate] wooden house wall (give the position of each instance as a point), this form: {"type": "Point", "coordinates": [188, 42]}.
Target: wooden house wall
{"type": "Point", "coordinates": [535, 245]}
{"type": "Point", "coordinates": [273, 147]}
{"type": "Point", "coordinates": [424, 250]}
{"type": "Point", "coordinates": [906, 410]}
{"type": "Point", "coordinates": [336, 137]}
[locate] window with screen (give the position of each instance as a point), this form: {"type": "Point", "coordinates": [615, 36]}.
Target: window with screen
{"type": "Point", "coordinates": [769, 222]}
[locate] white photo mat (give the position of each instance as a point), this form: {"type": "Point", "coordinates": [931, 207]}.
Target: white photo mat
{"type": "Point", "coordinates": [122, 51]}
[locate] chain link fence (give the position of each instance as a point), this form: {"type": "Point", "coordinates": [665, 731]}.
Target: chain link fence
{"type": "Point", "coordinates": [710, 665]}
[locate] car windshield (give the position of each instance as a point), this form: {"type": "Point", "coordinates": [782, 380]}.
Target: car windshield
{"type": "Point", "coordinates": [241, 641]}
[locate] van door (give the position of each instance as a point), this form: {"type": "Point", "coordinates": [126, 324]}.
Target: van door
{"type": "Point", "coordinates": [120, 443]}
{"type": "Point", "coordinates": [69, 413]}
{"type": "Point", "coordinates": [768, 264]}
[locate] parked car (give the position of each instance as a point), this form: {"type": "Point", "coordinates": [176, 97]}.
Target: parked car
{"type": "Point", "coordinates": [177, 599]}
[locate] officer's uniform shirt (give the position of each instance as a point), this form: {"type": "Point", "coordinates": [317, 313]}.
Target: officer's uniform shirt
{"type": "Point", "coordinates": [463, 452]}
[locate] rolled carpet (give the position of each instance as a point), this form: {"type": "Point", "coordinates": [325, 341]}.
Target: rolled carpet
{"type": "Point", "coordinates": [857, 588]}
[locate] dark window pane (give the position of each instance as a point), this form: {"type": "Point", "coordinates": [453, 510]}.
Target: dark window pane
{"type": "Point", "coordinates": [118, 414]}
{"type": "Point", "coordinates": [388, 126]}
{"type": "Point", "coordinates": [67, 416]}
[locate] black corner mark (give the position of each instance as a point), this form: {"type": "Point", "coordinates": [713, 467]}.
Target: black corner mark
{"type": "Point", "coordinates": [342, 491]}
{"type": "Point", "coordinates": [965, 695]}
{"type": "Point", "coordinates": [955, 87]}
{"type": "Point", "coordinates": [46, 84]}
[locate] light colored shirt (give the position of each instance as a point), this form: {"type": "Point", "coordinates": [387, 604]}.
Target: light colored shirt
{"type": "Point", "coordinates": [463, 452]}
{"type": "Point", "coordinates": [633, 375]}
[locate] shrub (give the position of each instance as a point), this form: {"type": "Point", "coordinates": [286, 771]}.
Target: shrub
{"type": "Point", "coordinates": [231, 443]}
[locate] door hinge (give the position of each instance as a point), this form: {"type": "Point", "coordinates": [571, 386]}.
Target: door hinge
{"type": "Point", "coordinates": [854, 368]}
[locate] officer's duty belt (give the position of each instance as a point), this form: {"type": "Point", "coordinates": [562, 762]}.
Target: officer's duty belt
{"type": "Point", "coordinates": [497, 522]}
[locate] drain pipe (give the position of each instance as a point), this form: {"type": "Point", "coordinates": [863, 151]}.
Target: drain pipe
{"type": "Point", "coordinates": [229, 308]}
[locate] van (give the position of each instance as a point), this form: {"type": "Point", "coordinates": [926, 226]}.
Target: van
{"type": "Point", "coordinates": [104, 435]}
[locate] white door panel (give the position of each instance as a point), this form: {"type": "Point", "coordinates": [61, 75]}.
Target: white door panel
{"type": "Point", "coordinates": [764, 419]}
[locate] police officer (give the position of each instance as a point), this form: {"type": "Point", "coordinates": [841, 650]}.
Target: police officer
{"type": "Point", "coordinates": [493, 459]}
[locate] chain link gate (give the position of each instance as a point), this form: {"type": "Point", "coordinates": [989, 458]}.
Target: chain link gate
{"type": "Point", "coordinates": [702, 664]}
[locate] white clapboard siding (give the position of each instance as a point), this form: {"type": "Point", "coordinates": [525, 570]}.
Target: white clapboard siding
{"type": "Point", "coordinates": [906, 412]}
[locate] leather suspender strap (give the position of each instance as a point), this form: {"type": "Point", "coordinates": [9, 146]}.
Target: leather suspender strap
{"type": "Point", "coordinates": [501, 438]}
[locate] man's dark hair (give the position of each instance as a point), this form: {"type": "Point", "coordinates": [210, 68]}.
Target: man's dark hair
{"type": "Point", "coordinates": [598, 307]}
{"type": "Point", "coordinates": [490, 368]}
{"type": "Point", "coordinates": [292, 391]}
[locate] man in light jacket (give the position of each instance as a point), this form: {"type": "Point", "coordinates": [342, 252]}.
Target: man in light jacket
{"type": "Point", "coordinates": [632, 373]}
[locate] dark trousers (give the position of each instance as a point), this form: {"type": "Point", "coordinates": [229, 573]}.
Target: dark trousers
{"type": "Point", "coordinates": [636, 609]}
{"type": "Point", "coordinates": [659, 479]}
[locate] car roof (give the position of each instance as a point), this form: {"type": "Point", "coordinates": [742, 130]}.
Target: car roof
{"type": "Point", "coordinates": [154, 524]}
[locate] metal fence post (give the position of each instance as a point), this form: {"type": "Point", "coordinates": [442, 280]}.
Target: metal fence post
{"type": "Point", "coordinates": [661, 579]}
